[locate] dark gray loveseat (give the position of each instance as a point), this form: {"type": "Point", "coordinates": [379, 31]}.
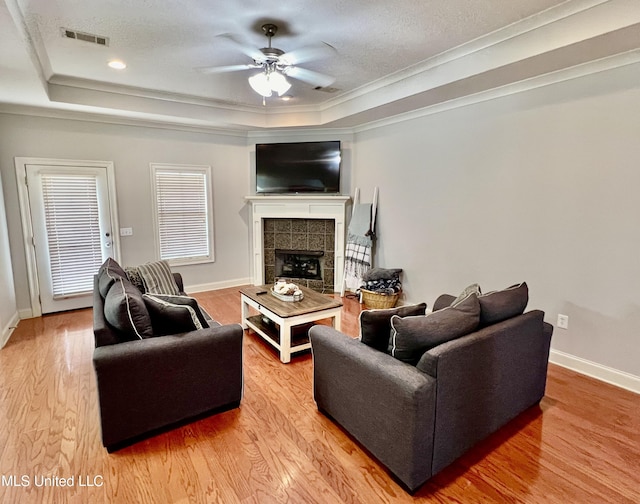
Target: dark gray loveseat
{"type": "Point", "coordinates": [145, 385]}
{"type": "Point", "coordinates": [418, 419]}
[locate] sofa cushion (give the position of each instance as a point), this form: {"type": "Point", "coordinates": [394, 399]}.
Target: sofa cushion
{"type": "Point", "coordinates": [412, 336]}
{"type": "Point", "coordinates": [375, 325]}
{"type": "Point", "coordinates": [443, 301]}
{"type": "Point", "coordinates": [203, 317]}
{"type": "Point", "coordinates": [474, 288]}
{"type": "Point", "coordinates": [497, 306]}
{"type": "Point", "coordinates": [171, 318]}
{"type": "Point", "coordinates": [133, 275]}
{"type": "Point", "coordinates": [157, 278]}
{"type": "Point", "coordinates": [125, 310]}
{"type": "Point", "coordinates": [108, 273]}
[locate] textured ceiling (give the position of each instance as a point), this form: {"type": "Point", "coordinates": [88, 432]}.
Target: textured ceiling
{"type": "Point", "coordinates": [163, 42]}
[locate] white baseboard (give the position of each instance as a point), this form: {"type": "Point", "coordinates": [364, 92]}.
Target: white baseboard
{"type": "Point", "coordinates": [598, 371]}
{"type": "Point", "coordinates": [25, 314]}
{"type": "Point", "coordinates": [218, 285]}
{"type": "Point", "coordinates": [8, 329]}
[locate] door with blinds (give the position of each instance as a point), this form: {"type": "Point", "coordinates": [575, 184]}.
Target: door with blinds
{"type": "Point", "coordinates": [71, 221]}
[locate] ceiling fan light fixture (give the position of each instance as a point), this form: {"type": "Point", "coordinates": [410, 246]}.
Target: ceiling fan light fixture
{"type": "Point", "coordinates": [276, 66]}
{"type": "Point", "coordinates": [278, 83]}
{"type": "Point", "coordinates": [268, 81]}
{"type": "Point", "coordinates": [260, 84]}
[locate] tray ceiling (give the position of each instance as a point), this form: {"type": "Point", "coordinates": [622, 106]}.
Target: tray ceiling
{"type": "Point", "coordinates": [391, 57]}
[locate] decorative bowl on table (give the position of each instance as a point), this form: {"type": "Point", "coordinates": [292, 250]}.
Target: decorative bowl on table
{"type": "Point", "coordinates": [287, 291]}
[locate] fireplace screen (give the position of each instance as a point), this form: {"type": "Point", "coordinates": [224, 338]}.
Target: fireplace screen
{"type": "Point", "coordinates": [299, 264]}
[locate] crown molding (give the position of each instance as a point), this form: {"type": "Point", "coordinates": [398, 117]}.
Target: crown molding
{"type": "Point", "coordinates": [583, 70]}
{"type": "Point", "coordinates": [132, 91]}
{"type": "Point", "coordinates": [299, 132]}
{"type": "Point", "coordinates": [31, 42]}
{"type": "Point", "coordinates": [500, 36]}
{"type": "Point", "coordinates": [548, 41]}
{"type": "Point", "coordinates": [559, 76]}
{"type": "Point", "coordinates": [116, 120]}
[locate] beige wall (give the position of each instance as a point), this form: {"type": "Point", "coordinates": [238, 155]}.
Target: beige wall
{"type": "Point", "coordinates": [132, 149]}
{"type": "Point", "coordinates": [539, 186]}
{"type": "Point", "coordinates": [8, 308]}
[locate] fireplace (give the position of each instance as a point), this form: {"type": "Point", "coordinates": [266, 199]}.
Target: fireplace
{"type": "Point", "coordinates": [302, 223]}
{"type": "Point", "coordinates": [300, 251]}
{"type": "Point", "coordinates": [299, 264]}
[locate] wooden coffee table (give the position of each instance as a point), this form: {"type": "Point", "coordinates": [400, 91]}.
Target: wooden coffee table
{"type": "Point", "coordinates": [284, 324]}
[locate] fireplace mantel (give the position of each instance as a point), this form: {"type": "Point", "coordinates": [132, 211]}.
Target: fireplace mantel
{"type": "Point", "coordinates": [297, 207]}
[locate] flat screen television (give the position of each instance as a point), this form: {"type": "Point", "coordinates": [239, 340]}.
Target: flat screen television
{"type": "Point", "coordinates": [300, 167]}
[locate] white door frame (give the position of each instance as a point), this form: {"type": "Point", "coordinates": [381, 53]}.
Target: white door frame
{"type": "Point", "coordinates": [25, 215]}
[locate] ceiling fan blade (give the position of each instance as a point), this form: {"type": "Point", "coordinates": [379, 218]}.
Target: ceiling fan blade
{"type": "Point", "coordinates": [316, 79]}
{"type": "Point", "coordinates": [309, 53]}
{"type": "Point", "coordinates": [223, 69]}
{"type": "Point", "coordinates": [244, 47]}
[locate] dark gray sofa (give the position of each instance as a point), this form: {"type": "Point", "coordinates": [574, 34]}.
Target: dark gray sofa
{"type": "Point", "coordinates": [416, 420]}
{"type": "Point", "coordinates": [147, 385]}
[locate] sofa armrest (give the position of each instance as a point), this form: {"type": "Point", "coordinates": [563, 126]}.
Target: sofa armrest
{"type": "Point", "coordinates": [386, 404]}
{"type": "Point", "coordinates": [484, 380]}
{"type": "Point", "coordinates": [148, 384]}
{"type": "Point", "coordinates": [103, 333]}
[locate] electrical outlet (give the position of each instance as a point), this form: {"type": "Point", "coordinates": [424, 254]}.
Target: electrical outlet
{"type": "Point", "coordinates": [126, 231]}
{"type": "Point", "coordinates": [563, 321]}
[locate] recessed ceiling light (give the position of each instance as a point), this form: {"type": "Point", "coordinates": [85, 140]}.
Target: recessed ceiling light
{"type": "Point", "coordinates": [117, 64]}
{"type": "Point", "coordinates": [286, 97]}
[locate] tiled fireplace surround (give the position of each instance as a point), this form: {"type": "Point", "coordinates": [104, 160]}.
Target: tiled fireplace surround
{"type": "Point", "coordinates": [299, 235]}
{"type": "Point", "coordinates": [302, 223]}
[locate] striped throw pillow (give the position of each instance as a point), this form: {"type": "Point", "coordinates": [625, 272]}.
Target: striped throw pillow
{"type": "Point", "coordinates": [157, 278]}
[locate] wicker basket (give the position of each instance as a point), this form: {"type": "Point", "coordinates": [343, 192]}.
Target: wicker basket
{"type": "Point", "coordinates": [374, 300]}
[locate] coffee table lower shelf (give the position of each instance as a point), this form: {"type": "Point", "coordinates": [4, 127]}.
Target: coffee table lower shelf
{"type": "Point", "coordinates": [271, 331]}
{"type": "Point", "coordinates": [283, 325]}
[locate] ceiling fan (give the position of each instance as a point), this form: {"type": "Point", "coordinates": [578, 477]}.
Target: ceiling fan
{"type": "Point", "coordinates": [275, 64]}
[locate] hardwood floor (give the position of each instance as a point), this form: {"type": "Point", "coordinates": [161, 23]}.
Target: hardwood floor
{"type": "Point", "coordinates": [581, 445]}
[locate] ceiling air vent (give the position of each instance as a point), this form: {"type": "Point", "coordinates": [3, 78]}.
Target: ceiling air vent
{"type": "Point", "coordinates": [327, 89]}
{"type": "Point", "coordinates": [85, 37]}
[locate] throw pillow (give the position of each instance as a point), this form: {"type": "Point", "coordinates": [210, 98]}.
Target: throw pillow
{"type": "Point", "coordinates": [133, 275]}
{"type": "Point", "coordinates": [474, 288]}
{"type": "Point", "coordinates": [412, 336]}
{"type": "Point", "coordinates": [203, 316]}
{"type": "Point", "coordinates": [108, 273]}
{"type": "Point", "coordinates": [375, 325]}
{"type": "Point", "coordinates": [125, 310]}
{"type": "Point", "coordinates": [497, 306]}
{"type": "Point", "coordinates": [157, 278]}
{"type": "Point", "coordinates": [170, 318]}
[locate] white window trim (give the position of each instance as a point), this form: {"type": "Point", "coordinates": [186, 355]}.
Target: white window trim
{"type": "Point", "coordinates": [206, 169]}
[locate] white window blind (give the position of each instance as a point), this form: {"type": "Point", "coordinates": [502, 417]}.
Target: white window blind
{"type": "Point", "coordinates": [73, 232]}
{"type": "Point", "coordinates": [184, 226]}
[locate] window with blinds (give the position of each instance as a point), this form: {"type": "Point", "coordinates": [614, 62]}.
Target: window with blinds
{"type": "Point", "coordinates": [73, 232]}
{"type": "Point", "coordinates": [183, 213]}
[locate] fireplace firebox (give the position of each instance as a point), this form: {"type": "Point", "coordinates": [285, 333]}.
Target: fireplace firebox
{"type": "Point", "coordinates": [299, 264]}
